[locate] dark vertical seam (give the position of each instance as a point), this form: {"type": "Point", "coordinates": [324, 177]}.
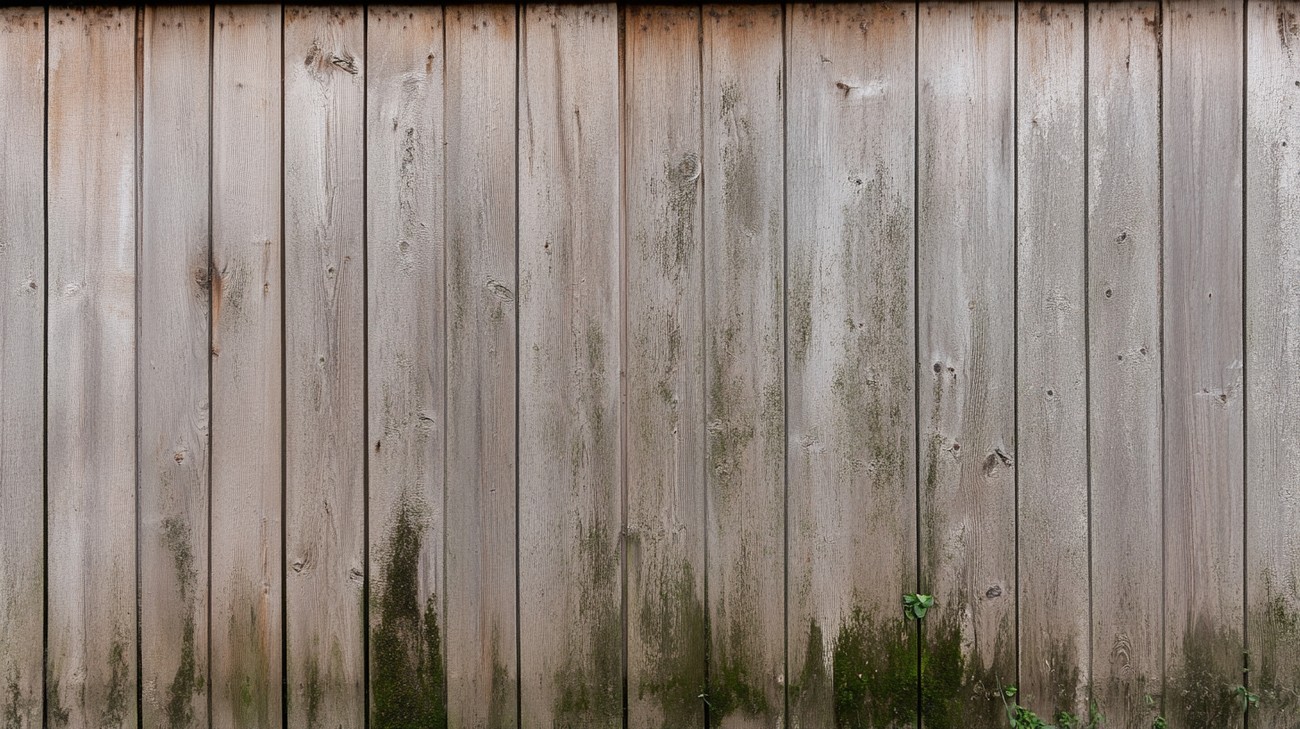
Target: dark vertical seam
{"type": "Point", "coordinates": [704, 370]}
{"type": "Point", "coordinates": [1087, 338]}
{"type": "Point", "coordinates": [139, 242]}
{"type": "Point", "coordinates": [365, 362]}
{"type": "Point", "coordinates": [212, 35]}
{"type": "Point", "coordinates": [916, 342]}
{"type": "Point", "coordinates": [284, 411]}
{"type": "Point", "coordinates": [1015, 314]}
{"type": "Point", "coordinates": [620, 136]}
{"type": "Point", "coordinates": [45, 387]}
{"type": "Point", "coordinates": [785, 368]}
{"type": "Point", "coordinates": [520, 19]}
{"type": "Point", "coordinates": [1245, 369]}
{"type": "Point", "coordinates": [1160, 306]}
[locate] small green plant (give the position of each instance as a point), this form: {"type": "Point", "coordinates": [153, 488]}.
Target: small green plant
{"type": "Point", "coordinates": [1160, 723]}
{"type": "Point", "coordinates": [1248, 699]}
{"type": "Point", "coordinates": [915, 605]}
{"type": "Point", "coordinates": [1019, 717]}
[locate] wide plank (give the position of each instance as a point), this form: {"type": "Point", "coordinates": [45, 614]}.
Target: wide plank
{"type": "Point", "coordinates": [570, 355]}
{"type": "Point", "coordinates": [664, 492]}
{"type": "Point", "coordinates": [850, 178]}
{"type": "Point", "coordinates": [91, 337]}
{"type": "Point", "coordinates": [405, 336]}
{"type": "Point", "coordinates": [324, 341]}
{"type": "Point", "coordinates": [481, 316]}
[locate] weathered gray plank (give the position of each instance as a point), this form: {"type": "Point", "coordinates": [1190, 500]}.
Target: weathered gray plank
{"type": "Point", "coordinates": [1051, 367]}
{"type": "Point", "coordinates": [1124, 250]}
{"type": "Point", "coordinates": [22, 362]}
{"type": "Point", "coordinates": [667, 642]}
{"type": "Point", "coordinates": [570, 355]}
{"type": "Point", "coordinates": [744, 363]}
{"type": "Point", "coordinates": [324, 364]}
{"type": "Point", "coordinates": [1203, 333]}
{"type": "Point", "coordinates": [404, 329]}
{"type": "Point", "coordinates": [247, 427]}
{"type": "Point", "coordinates": [966, 386]}
{"type": "Point", "coordinates": [173, 368]}
{"type": "Point", "coordinates": [481, 57]}
{"type": "Point", "coordinates": [849, 185]}
{"type": "Point", "coordinates": [1272, 358]}
{"type": "Point", "coordinates": [91, 427]}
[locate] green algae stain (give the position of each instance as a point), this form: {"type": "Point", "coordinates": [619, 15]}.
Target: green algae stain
{"type": "Point", "coordinates": [501, 709]}
{"type": "Point", "coordinates": [874, 673]}
{"type": "Point", "coordinates": [245, 686]}
{"type": "Point", "coordinates": [1200, 692]}
{"type": "Point", "coordinates": [673, 625]}
{"type": "Point", "coordinates": [312, 691]}
{"type": "Point", "coordinates": [13, 709]}
{"type": "Point", "coordinates": [956, 689]}
{"type": "Point", "coordinates": [59, 715]}
{"type": "Point", "coordinates": [186, 682]}
{"type": "Point", "coordinates": [115, 701]}
{"type": "Point", "coordinates": [589, 682]}
{"type": "Point", "coordinates": [732, 685]}
{"type": "Point", "coordinates": [812, 689]}
{"type": "Point", "coordinates": [408, 682]}
{"type": "Point", "coordinates": [1275, 651]}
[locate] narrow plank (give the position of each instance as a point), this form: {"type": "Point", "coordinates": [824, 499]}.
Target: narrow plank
{"type": "Point", "coordinates": [22, 366]}
{"type": "Point", "coordinates": [744, 363]}
{"type": "Point", "coordinates": [91, 428]}
{"type": "Point", "coordinates": [173, 368]}
{"type": "Point", "coordinates": [1124, 356]}
{"type": "Point", "coordinates": [667, 646]}
{"type": "Point", "coordinates": [1203, 377]}
{"type": "Point", "coordinates": [324, 332]}
{"type": "Point", "coordinates": [966, 386]}
{"type": "Point", "coordinates": [1051, 364]}
{"type": "Point", "coordinates": [481, 57]}
{"type": "Point", "coordinates": [570, 354]}
{"type": "Point", "coordinates": [1272, 317]}
{"type": "Point", "coordinates": [851, 447]}
{"type": "Point", "coordinates": [247, 425]}
{"type": "Point", "coordinates": [404, 331]}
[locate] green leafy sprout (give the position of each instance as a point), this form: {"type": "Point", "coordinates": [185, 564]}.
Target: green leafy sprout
{"type": "Point", "coordinates": [915, 605]}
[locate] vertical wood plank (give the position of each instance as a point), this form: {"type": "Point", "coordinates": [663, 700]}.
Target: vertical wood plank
{"type": "Point", "coordinates": [404, 329]}
{"type": "Point", "coordinates": [966, 387]}
{"type": "Point", "coordinates": [1203, 377]}
{"type": "Point", "coordinates": [744, 254]}
{"type": "Point", "coordinates": [851, 448]}
{"type": "Point", "coordinates": [481, 57]}
{"type": "Point", "coordinates": [1051, 387]}
{"type": "Point", "coordinates": [570, 579]}
{"type": "Point", "coordinates": [324, 364]}
{"type": "Point", "coordinates": [667, 646]}
{"type": "Point", "coordinates": [173, 368]}
{"type": "Point", "coordinates": [22, 365]}
{"type": "Point", "coordinates": [91, 427]}
{"type": "Point", "coordinates": [1124, 345]}
{"type": "Point", "coordinates": [247, 319]}
{"type": "Point", "coordinates": [1272, 354]}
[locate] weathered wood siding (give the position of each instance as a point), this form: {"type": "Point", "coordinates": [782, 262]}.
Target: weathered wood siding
{"type": "Point", "coordinates": [624, 366]}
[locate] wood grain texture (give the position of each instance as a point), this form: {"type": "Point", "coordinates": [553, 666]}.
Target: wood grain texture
{"type": "Point", "coordinates": [1051, 352]}
{"type": "Point", "coordinates": [744, 339]}
{"type": "Point", "coordinates": [173, 368]}
{"type": "Point", "coordinates": [1203, 356]}
{"type": "Point", "coordinates": [570, 353]}
{"type": "Point", "coordinates": [851, 448]}
{"type": "Point", "coordinates": [482, 666]}
{"type": "Point", "coordinates": [22, 366]}
{"type": "Point", "coordinates": [406, 346]}
{"type": "Point", "coordinates": [966, 385]}
{"type": "Point", "coordinates": [1124, 346]}
{"type": "Point", "coordinates": [247, 318]}
{"type": "Point", "coordinates": [324, 340]}
{"type": "Point", "coordinates": [666, 639]}
{"type": "Point", "coordinates": [1272, 356]}
{"type": "Point", "coordinates": [91, 522]}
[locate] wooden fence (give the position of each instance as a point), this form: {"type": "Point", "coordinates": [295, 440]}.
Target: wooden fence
{"type": "Point", "coordinates": [591, 366]}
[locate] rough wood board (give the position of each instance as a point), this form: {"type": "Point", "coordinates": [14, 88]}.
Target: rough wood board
{"type": "Point", "coordinates": [22, 366]}
{"type": "Point", "coordinates": [404, 253]}
{"type": "Point", "coordinates": [1051, 391]}
{"type": "Point", "coordinates": [481, 57]}
{"type": "Point", "coordinates": [247, 426]}
{"type": "Point", "coordinates": [91, 667]}
{"type": "Point", "coordinates": [1272, 358]}
{"type": "Point", "coordinates": [324, 343]}
{"type": "Point", "coordinates": [667, 646]}
{"type": "Point", "coordinates": [173, 368]}
{"type": "Point", "coordinates": [851, 449]}
{"type": "Point", "coordinates": [1124, 253]}
{"type": "Point", "coordinates": [1203, 377]}
{"type": "Point", "coordinates": [966, 385]}
{"type": "Point", "coordinates": [569, 359]}
{"type": "Point", "coordinates": [744, 363]}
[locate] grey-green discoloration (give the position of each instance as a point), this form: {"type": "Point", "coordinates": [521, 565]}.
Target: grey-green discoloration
{"type": "Point", "coordinates": [733, 687]}
{"type": "Point", "coordinates": [187, 682]}
{"type": "Point", "coordinates": [313, 694]}
{"type": "Point", "coordinates": [957, 690]}
{"type": "Point", "coordinates": [247, 685]}
{"type": "Point", "coordinates": [58, 713]}
{"type": "Point", "coordinates": [589, 687]}
{"type": "Point", "coordinates": [14, 708]}
{"type": "Point", "coordinates": [873, 676]}
{"type": "Point", "coordinates": [1275, 645]}
{"type": "Point", "coordinates": [407, 674]}
{"type": "Point", "coordinates": [1201, 690]}
{"type": "Point", "coordinates": [119, 684]}
{"type": "Point", "coordinates": [673, 625]}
